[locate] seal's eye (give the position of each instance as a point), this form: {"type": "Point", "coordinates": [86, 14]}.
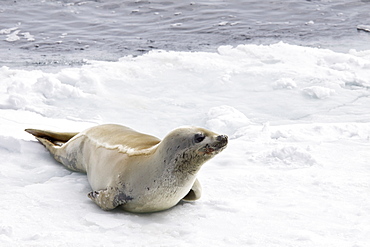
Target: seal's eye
{"type": "Point", "coordinates": [199, 138]}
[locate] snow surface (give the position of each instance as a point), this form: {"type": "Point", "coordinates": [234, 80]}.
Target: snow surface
{"type": "Point", "coordinates": [296, 171]}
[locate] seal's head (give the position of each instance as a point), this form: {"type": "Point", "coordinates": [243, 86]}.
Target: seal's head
{"type": "Point", "coordinates": [199, 140]}
{"type": "Point", "coordinates": [190, 147]}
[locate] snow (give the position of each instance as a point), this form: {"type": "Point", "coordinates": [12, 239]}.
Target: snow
{"type": "Point", "coordinates": [295, 172]}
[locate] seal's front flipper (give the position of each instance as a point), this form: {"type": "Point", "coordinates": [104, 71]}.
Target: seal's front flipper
{"type": "Point", "coordinates": [109, 199]}
{"type": "Point", "coordinates": [194, 193]}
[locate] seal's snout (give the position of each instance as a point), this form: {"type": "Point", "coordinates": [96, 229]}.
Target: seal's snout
{"type": "Point", "coordinates": [221, 142]}
{"type": "Point", "coordinates": [222, 139]}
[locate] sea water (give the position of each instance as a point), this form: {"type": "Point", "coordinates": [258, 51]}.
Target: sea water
{"type": "Point", "coordinates": [65, 32]}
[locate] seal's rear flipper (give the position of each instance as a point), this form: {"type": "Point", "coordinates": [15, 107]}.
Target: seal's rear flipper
{"type": "Point", "coordinates": [51, 138]}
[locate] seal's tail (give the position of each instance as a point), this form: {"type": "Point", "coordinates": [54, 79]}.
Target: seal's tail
{"type": "Point", "coordinates": [50, 138]}
{"type": "Point", "coordinates": [53, 141]}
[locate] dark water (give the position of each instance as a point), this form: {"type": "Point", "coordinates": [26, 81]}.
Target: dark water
{"type": "Point", "coordinates": [63, 33]}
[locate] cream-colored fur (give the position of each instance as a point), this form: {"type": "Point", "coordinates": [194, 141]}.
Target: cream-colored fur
{"type": "Point", "coordinates": [136, 171]}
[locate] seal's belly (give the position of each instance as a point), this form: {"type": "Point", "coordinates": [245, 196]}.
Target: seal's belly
{"type": "Point", "coordinates": [158, 201]}
{"type": "Point", "coordinates": [165, 194]}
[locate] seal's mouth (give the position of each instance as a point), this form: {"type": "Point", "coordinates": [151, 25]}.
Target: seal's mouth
{"type": "Point", "coordinates": [216, 147]}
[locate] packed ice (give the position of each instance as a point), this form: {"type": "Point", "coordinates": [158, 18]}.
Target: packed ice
{"type": "Point", "coordinates": [295, 173]}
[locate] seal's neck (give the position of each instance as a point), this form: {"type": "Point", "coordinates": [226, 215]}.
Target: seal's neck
{"type": "Point", "coordinates": [186, 163]}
